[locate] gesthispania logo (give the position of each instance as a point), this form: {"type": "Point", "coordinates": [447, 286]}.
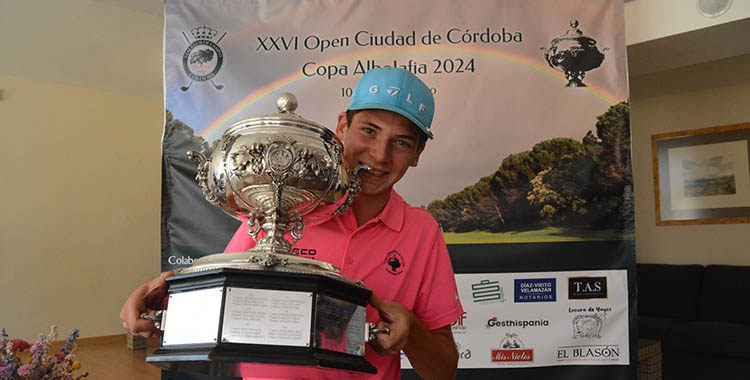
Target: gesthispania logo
{"type": "Point", "coordinates": [203, 58]}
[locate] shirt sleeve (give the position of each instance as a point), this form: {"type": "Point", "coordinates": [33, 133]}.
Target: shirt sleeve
{"type": "Point", "coordinates": [437, 303]}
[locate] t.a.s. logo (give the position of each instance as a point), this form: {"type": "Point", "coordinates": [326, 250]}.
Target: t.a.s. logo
{"type": "Point", "coordinates": [203, 58]}
{"type": "Point", "coordinates": [582, 288]}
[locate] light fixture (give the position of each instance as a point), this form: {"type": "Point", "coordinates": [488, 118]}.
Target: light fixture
{"type": "Point", "coordinates": [713, 8]}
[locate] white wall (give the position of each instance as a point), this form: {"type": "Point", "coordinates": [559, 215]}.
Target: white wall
{"type": "Point", "coordinates": [80, 172]}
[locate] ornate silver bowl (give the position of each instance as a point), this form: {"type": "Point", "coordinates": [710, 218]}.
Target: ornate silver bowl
{"type": "Point", "coordinates": [272, 171]}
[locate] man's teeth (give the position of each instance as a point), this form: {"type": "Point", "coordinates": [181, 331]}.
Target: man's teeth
{"type": "Point", "coordinates": [376, 173]}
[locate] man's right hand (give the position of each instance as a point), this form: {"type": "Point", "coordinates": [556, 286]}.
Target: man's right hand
{"type": "Point", "coordinates": [147, 298]}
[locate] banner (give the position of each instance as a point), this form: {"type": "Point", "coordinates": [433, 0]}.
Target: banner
{"type": "Point", "coordinates": [528, 175]}
{"type": "Point", "coordinates": [584, 313]}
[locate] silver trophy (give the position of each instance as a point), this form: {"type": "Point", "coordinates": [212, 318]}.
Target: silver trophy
{"type": "Point", "coordinates": [267, 305]}
{"type": "Point", "coordinates": [574, 54]}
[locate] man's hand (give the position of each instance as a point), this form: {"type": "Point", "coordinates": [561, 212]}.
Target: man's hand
{"type": "Point", "coordinates": [147, 298]}
{"type": "Point", "coordinates": [432, 353]}
{"type": "Point", "coordinates": [397, 319]}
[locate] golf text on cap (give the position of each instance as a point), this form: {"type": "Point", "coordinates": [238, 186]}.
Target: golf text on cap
{"type": "Point", "coordinates": [393, 91]}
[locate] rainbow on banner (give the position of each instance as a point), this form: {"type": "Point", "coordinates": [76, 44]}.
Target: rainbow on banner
{"type": "Point", "coordinates": [517, 59]}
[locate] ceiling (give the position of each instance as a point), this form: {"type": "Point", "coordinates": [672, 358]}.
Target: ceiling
{"type": "Point", "coordinates": [684, 49]}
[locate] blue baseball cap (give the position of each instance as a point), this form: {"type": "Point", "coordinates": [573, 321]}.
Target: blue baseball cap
{"type": "Point", "coordinates": [396, 90]}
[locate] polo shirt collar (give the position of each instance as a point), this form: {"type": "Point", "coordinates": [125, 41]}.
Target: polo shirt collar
{"type": "Point", "coordinates": [392, 214]}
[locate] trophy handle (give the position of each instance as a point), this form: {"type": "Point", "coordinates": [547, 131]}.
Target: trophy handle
{"type": "Point", "coordinates": [371, 332]}
{"type": "Point", "coordinates": [253, 225]}
{"type": "Point", "coordinates": [158, 318]}
{"type": "Point", "coordinates": [202, 176]}
{"type": "Point", "coordinates": [297, 226]}
{"type": "Point", "coordinates": [354, 189]}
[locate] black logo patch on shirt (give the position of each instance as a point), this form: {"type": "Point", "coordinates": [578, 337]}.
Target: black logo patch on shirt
{"type": "Point", "coordinates": [394, 263]}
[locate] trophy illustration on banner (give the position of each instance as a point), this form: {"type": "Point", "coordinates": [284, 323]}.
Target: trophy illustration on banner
{"type": "Point", "coordinates": [574, 54]}
{"type": "Point", "coordinates": [267, 305]}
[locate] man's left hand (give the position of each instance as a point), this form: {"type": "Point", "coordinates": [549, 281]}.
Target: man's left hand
{"type": "Point", "coordinates": [397, 319]}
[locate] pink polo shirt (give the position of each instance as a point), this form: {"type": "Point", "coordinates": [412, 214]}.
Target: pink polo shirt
{"type": "Point", "coordinates": [400, 255]}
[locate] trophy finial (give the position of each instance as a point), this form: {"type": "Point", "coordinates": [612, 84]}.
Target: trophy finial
{"type": "Point", "coordinates": [286, 103]}
{"type": "Point", "coordinates": [574, 23]}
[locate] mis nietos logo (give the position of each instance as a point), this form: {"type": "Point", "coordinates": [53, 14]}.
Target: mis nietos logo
{"type": "Point", "coordinates": [487, 291]}
{"type": "Point", "coordinates": [512, 350]}
{"type": "Point", "coordinates": [203, 58]}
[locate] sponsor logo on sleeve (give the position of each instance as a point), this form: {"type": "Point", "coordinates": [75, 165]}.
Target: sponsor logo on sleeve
{"type": "Point", "coordinates": [583, 288]}
{"type": "Point", "coordinates": [535, 290]}
{"type": "Point", "coordinates": [487, 291]}
{"type": "Point", "coordinates": [512, 350]}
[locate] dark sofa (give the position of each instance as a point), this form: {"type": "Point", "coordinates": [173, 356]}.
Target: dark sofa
{"type": "Point", "coordinates": [701, 315]}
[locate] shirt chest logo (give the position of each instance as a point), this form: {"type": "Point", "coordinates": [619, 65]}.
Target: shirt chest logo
{"type": "Point", "coordinates": [308, 252]}
{"type": "Point", "coordinates": [394, 263]}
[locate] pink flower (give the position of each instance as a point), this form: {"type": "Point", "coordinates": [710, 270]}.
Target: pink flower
{"type": "Point", "coordinates": [39, 349]}
{"type": "Point", "coordinates": [25, 370]}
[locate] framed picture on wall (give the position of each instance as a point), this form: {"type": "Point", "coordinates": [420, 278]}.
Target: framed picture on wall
{"type": "Point", "coordinates": [702, 176]}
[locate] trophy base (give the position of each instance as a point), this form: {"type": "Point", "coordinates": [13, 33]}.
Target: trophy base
{"type": "Point", "coordinates": [225, 360]}
{"type": "Point", "coordinates": [575, 83]}
{"type": "Point", "coordinates": [218, 319]}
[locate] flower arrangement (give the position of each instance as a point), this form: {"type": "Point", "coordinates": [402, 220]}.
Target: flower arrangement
{"type": "Point", "coordinates": [40, 364]}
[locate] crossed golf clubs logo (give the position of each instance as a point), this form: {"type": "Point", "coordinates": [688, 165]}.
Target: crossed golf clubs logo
{"type": "Point", "coordinates": [203, 58]}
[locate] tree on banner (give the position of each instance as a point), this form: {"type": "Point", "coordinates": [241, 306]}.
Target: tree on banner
{"type": "Point", "coordinates": [558, 183]}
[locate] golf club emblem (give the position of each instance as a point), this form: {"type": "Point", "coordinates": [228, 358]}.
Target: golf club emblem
{"type": "Point", "coordinates": [203, 58]}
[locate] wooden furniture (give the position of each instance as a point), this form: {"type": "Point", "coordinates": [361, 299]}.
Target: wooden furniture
{"type": "Point", "coordinates": [108, 357]}
{"type": "Point", "coordinates": [649, 359]}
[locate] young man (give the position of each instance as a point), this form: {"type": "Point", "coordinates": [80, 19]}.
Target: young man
{"type": "Point", "coordinates": [397, 250]}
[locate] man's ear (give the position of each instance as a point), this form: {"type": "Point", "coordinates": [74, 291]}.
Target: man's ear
{"type": "Point", "coordinates": [341, 126]}
{"type": "Point", "coordinates": [420, 149]}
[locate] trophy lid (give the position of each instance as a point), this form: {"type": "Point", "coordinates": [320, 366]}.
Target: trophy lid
{"type": "Point", "coordinates": [286, 104]}
{"type": "Point", "coordinates": [575, 34]}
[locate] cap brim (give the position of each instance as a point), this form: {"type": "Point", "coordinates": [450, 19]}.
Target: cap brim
{"type": "Point", "coordinates": [386, 107]}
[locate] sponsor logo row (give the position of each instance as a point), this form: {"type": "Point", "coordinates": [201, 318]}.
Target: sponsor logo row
{"type": "Point", "coordinates": [587, 322]}
{"type": "Point", "coordinates": [511, 350]}
{"type": "Point", "coordinates": [540, 290]}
